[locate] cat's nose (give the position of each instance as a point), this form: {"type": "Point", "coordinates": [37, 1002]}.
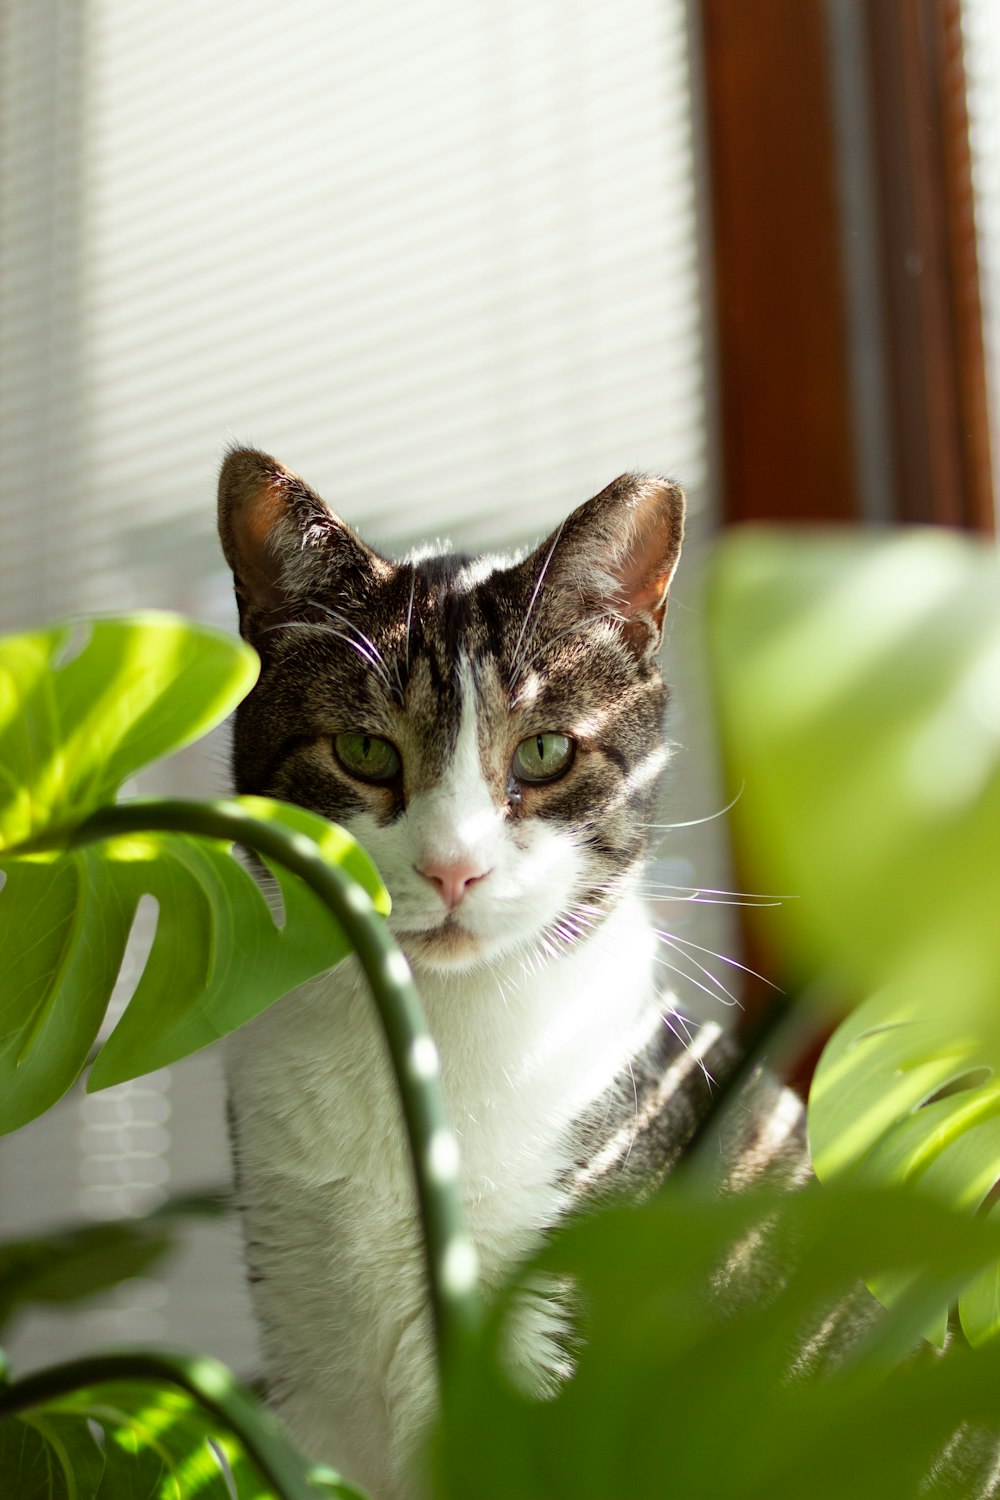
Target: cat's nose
{"type": "Point", "coordinates": [454, 880]}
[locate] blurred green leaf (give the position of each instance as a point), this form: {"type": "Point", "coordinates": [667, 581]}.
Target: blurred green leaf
{"type": "Point", "coordinates": [74, 721]}
{"type": "Point", "coordinates": [859, 683]}
{"type": "Point", "coordinates": [730, 1354]}
{"type": "Point", "coordinates": [859, 691]}
{"type": "Point", "coordinates": [67, 1265]}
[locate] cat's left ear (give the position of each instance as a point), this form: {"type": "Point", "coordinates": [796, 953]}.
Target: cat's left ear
{"type": "Point", "coordinates": [617, 555]}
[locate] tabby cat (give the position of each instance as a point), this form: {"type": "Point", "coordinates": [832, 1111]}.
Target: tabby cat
{"type": "Point", "coordinates": [490, 729]}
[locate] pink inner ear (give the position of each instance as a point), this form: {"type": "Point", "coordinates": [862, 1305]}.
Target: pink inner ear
{"type": "Point", "coordinates": [256, 532]}
{"type": "Point", "coordinates": [646, 567]}
{"type": "Point", "coordinates": [644, 595]}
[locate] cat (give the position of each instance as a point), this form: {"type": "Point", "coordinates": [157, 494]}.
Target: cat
{"type": "Point", "coordinates": [491, 730]}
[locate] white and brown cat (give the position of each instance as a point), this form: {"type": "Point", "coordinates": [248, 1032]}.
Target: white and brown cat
{"type": "Point", "coordinates": [490, 729]}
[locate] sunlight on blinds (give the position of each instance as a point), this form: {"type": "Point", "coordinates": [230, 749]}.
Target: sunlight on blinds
{"type": "Point", "coordinates": [981, 40]}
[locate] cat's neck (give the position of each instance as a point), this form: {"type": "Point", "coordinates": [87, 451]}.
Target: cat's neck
{"type": "Point", "coordinates": [556, 1027]}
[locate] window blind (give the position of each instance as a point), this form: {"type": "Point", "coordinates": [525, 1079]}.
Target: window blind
{"type": "Point", "coordinates": [981, 58]}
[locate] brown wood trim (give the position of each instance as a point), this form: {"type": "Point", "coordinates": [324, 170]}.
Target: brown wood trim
{"type": "Point", "coordinates": [785, 412]}
{"type": "Point", "coordinates": [935, 355]}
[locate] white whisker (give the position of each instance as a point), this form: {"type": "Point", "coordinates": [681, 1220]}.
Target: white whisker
{"type": "Point", "coordinates": [635, 1113]}
{"type": "Point", "coordinates": [732, 999]}
{"type": "Point", "coordinates": [706, 989]}
{"type": "Point", "coordinates": [722, 957]}
{"type": "Point", "coordinates": [409, 617]}
{"type": "Point", "coordinates": [517, 661]}
{"type": "Point", "coordinates": [696, 822]}
{"type": "Point", "coordinates": [687, 1040]}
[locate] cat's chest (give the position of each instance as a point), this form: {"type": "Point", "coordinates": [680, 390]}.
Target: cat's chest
{"type": "Point", "coordinates": [523, 1054]}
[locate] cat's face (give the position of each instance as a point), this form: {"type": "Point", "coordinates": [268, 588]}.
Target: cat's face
{"type": "Point", "coordinates": [490, 730]}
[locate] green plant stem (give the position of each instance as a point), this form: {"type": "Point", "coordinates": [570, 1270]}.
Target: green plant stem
{"type": "Point", "coordinates": [450, 1255]}
{"type": "Point", "coordinates": [210, 1383]}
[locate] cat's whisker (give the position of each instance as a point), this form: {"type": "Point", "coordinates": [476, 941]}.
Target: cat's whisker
{"type": "Point", "coordinates": [529, 659]}
{"type": "Point", "coordinates": [711, 890]}
{"type": "Point", "coordinates": [694, 896]}
{"type": "Point", "coordinates": [722, 957]}
{"type": "Point", "coordinates": [364, 645]}
{"type": "Point", "coordinates": [409, 617]}
{"type": "Point", "coordinates": [635, 1111]}
{"type": "Point", "coordinates": [342, 619]}
{"type": "Point", "coordinates": [520, 646]}
{"type": "Point", "coordinates": [702, 969]}
{"type": "Point", "coordinates": [374, 661]}
{"type": "Point", "coordinates": [696, 822]}
{"type": "Point", "coordinates": [686, 1040]}
{"type": "Point", "coordinates": [682, 973]}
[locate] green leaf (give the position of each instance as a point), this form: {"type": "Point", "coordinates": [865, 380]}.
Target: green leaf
{"type": "Point", "coordinates": [49, 1457]}
{"type": "Point", "coordinates": [75, 721]}
{"type": "Point", "coordinates": [156, 1442]}
{"type": "Point", "coordinates": [729, 1352]}
{"type": "Point", "coordinates": [63, 1267]}
{"type": "Point", "coordinates": [218, 958]}
{"type": "Point", "coordinates": [859, 681]}
{"type": "Point", "coordinates": [168, 1427]}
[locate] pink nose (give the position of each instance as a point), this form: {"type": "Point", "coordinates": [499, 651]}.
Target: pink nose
{"type": "Point", "coordinates": [453, 881]}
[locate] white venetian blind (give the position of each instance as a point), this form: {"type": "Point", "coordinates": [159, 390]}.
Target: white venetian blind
{"type": "Point", "coordinates": [440, 257]}
{"type": "Point", "coordinates": [981, 47]}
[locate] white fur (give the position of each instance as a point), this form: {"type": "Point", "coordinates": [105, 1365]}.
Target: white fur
{"type": "Point", "coordinates": [527, 1036]}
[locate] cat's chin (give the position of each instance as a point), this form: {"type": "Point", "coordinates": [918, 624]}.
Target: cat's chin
{"type": "Point", "coordinates": [449, 947]}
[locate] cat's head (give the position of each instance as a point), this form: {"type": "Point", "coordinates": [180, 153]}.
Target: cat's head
{"type": "Point", "coordinates": [490, 729]}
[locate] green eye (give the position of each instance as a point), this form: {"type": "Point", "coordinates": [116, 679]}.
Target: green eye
{"type": "Point", "coordinates": [542, 757]}
{"type": "Point", "coordinates": [367, 756]}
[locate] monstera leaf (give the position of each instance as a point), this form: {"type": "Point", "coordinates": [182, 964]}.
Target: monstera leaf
{"type": "Point", "coordinates": [859, 682]}
{"type": "Point", "coordinates": [78, 717]}
{"type": "Point", "coordinates": [745, 1309]}
{"type": "Point", "coordinates": [160, 1426]}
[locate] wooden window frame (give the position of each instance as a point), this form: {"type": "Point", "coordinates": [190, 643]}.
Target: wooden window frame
{"type": "Point", "coordinates": [783, 236]}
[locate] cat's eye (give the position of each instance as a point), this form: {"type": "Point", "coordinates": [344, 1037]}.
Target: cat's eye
{"type": "Point", "coordinates": [367, 756]}
{"type": "Point", "coordinates": [543, 757]}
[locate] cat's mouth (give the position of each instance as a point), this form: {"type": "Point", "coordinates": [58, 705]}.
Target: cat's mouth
{"type": "Point", "coordinates": [448, 943]}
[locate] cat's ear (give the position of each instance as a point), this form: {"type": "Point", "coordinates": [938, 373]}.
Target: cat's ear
{"type": "Point", "coordinates": [615, 555]}
{"type": "Point", "coordinates": [283, 543]}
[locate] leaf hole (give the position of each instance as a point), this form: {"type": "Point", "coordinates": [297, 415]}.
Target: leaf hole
{"type": "Point", "coordinates": [270, 890]}
{"type": "Point", "coordinates": [227, 1473]}
{"type": "Point", "coordinates": [133, 964]}
{"type": "Point", "coordinates": [75, 642]}
{"type": "Point", "coordinates": [874, 1031]}
{"type": "Point", "coordinates": [965, 1082]}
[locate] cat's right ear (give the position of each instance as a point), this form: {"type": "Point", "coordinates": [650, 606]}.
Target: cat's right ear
{"type": "Point", "coordinates": [283, 543]}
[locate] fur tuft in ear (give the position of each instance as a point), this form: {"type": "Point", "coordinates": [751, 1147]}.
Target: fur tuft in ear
{"type": "Point", "coordinates": [617, 555]}
{"type": "Point", "coordinates": [281, 541]}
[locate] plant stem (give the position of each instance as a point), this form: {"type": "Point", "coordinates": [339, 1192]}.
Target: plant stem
{"type": "Point", "coordinates": [450, 1254]}
{"type": "Point", "coordinates": [209, 1382]}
